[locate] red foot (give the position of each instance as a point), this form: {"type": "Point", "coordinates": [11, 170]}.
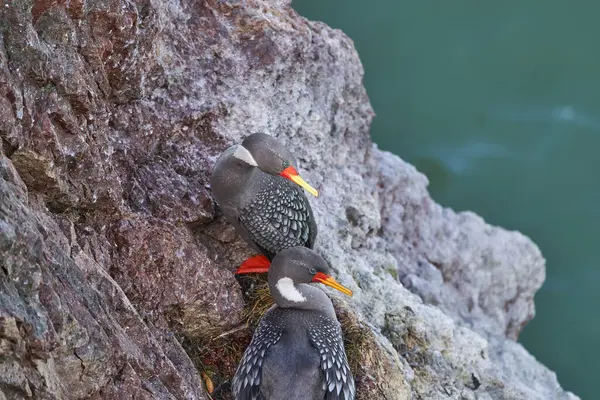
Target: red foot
{"type": "Point", "coordinates": [257, 263]}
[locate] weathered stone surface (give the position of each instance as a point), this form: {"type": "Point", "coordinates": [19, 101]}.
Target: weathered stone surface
{"type": "Point", "coordinates": [111, 116]}
{"type": "Point", "coordinates": [483, 276]}
{"type": "Point", "coordinates": [67, 330]}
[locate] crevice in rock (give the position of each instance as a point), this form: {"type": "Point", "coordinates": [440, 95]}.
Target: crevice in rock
{"type": "Point", "coordinates": [82, 365]}
{"type": "Point", "coordinates": [440, 267]}
{"type": "Point", "coordinates": [7, 147]}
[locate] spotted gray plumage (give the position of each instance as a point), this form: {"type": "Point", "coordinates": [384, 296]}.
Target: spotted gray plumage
{"type": "Point", "coordinates": [326, 335]}
{"type": "Point", "coordinates": [268, 210]}
{"type": "Point", "coordinates": [297, 351]}
{"type": "Point", "coordinates": [278, 328]}
{"type": "Point", "coordinates": [279, 217]}
{"type": "Point", "coordinates": [246, 382]}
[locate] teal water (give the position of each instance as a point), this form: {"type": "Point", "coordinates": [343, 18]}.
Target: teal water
{"type": "Point", "coordinates": [499, 104]}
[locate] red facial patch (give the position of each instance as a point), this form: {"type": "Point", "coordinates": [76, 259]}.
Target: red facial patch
{"type": "Point", "coordinates": [320, 277]}
{"type": "Point", "coordinates": [289, 171]}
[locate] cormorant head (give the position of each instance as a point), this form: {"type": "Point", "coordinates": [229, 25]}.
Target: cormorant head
{"type": "Point", "coordinates": [301, 265]}
{"type": "Point", "coordinates": [269, 155]}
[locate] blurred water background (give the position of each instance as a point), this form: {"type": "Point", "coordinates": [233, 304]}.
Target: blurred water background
{"type": "Point", "coordinates": [498, 103]}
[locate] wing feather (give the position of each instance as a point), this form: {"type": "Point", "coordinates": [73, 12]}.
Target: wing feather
{"type": "Point", "coordinates": [338, 382]}
{"type": "Point", "coordinates": [279, 217]}
{"type": "Point", "coordinates": [246, 381]}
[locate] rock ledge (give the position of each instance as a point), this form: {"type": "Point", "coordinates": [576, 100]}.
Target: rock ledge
{"type": "Point", "coordinates": [112, 113]}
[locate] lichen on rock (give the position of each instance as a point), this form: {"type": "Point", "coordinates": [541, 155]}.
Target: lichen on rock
{"type": "Point", "coordinates": [113, 253]}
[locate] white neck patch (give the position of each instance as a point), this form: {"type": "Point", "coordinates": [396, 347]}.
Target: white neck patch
{"type": "Point", "coordinates": [288, 290]}
{"type": "Point", "coordinates": [242, 153]}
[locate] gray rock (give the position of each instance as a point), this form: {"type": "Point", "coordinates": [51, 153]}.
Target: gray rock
{"type": "Point", "coordinates": [111, 116]}
{"type": "Point", "coordinates": [67, 330]}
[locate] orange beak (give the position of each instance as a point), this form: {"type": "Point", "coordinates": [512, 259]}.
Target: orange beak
{"type": "Point", "coordinates": [291, 174]}
{"type": "Point", "coordinates": [329, 281]}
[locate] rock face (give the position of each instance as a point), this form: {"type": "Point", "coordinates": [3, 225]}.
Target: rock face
{"type": "Point", "coordinates": [111, 116]}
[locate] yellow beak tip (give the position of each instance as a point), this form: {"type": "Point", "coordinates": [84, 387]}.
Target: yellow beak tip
{"type": "Point", "coordinates": [334, 284]}
{"type": "Point", "coordinates": [297, 179]}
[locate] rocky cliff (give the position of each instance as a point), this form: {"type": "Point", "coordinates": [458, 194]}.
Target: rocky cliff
{"type": "Point", "coordinates": [114, 257]}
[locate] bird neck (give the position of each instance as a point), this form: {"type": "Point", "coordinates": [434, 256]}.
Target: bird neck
{"type": "Point", "coordinates": [302, 296]}
{"type": "Point", "coordinates": [230, 174]}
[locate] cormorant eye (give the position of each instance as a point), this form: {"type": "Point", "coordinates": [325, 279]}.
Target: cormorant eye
{"type": "Point", "coordinates": [285, 164]}
{"type": "Point", "coordinates": [312, 271]}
